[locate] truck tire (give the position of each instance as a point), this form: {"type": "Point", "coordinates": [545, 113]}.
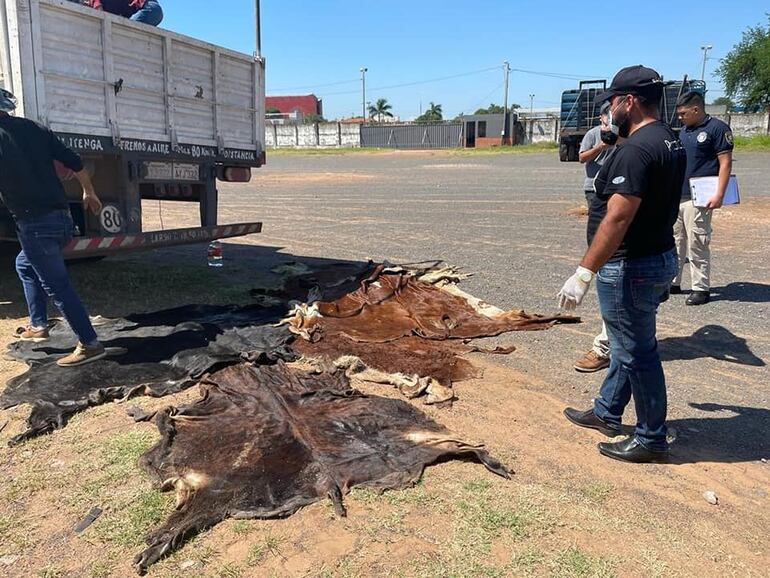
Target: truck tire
{"type": "Point", "coordinates": [563, 152]}
{"type": "Point", "coordinates": [574, 153]}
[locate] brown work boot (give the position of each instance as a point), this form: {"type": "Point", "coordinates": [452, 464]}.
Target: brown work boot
{"type": "Point", "coordinates": [591, 362]}
{"type": "Point", "coordinates": [33, 334]}
{"type": "Point", "coordinates": [81, 355]}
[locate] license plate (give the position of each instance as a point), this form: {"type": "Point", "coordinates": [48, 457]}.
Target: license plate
{"type": "Point", "coordinates": [157, 171]}
{"type": "Point", "coordinates": [186, 172]}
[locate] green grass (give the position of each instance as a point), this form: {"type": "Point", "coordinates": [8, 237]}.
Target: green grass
{"type": "Point", "coordinates": [574, 563]}
{"type": "Point", "coordinates": [131, 519]}
{"type": "Point", "coordinates": [597, 492]}
{"type": "Point", "coordinates": [760, 143]}
{"type": "Point", "coordinates": [272, 151]}
{"type": "Point", "coordinates": [519, 149]}
{"type": "Point", "coordinates": [270, 545]}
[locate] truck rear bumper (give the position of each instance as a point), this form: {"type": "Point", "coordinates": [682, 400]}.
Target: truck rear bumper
{"type": "Point", "coordinates": [98, 246]}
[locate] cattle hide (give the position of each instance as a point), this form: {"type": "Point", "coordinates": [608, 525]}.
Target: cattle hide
{"type": "Point", "coordinates": [391, 305]}
{"type": "Point", "coordinates": [411, 364]}
{"type": "Point", "coordinates": [264, 441]}
{"type": "Point", "coordinates": [154, 354]}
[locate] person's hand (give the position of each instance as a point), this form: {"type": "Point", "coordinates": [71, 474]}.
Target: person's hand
{"type": "Point", "coordinates": [714, 202]}
{"type": "Point", "coordinates": [575, 289]}
{"type": "Point", "coordinates": [91, 202]}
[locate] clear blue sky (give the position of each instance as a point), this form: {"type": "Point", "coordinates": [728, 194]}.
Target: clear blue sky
{"type": "Point", "coordinates": [312, 44]}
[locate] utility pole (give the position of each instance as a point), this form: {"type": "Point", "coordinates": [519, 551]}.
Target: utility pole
{"type": "Point", "coordinates": [258, 31]}
{"type": "Point", "coordinates": [531, 103]}
{"type": "Point", "coordinates": [364, 70]}
{"type": "Point", "coordinates": [507, 71]}
{"type": "Point", "coordinates": [705, 48]}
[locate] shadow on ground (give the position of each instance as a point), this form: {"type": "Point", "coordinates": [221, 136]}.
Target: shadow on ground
{"type": "Point", "coordinates": [160, 279]}
{"type": "Point", "coordinates": [712, 341]}
{"type": "Point", "coordinates": [743, 292]}
{"type": "Point", "coordinates": [733, 434]}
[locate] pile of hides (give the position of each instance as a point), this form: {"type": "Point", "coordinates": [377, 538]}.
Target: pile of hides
{"type": "Point", "coordinates": [406, 327]}
{"type": "Point", "coordinates": [264, 441]}
{"type": "Point", "coordinates": [153, 354]}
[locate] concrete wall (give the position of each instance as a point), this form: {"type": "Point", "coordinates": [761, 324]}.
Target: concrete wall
{"type": "Point", "coordinates": [535, 130]}
{"type": "Point", "coordinates": [319, 135]}
{"type": "Point", "coordinates": [748, 124]}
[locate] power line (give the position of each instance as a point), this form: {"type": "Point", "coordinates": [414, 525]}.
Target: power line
{"type": "Point", "coordinates": [418, 82]}
{"type": "Point", "coordinates": [311, 86]}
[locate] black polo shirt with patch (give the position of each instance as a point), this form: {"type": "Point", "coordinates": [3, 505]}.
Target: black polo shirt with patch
{"type": "Point", "coordinates": [650, 164]}
{"type": "Point", "coordinates": [703, 144]}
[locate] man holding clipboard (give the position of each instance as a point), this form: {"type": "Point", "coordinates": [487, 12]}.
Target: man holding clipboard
{"type": "Point", "coordinates": [708, 143]}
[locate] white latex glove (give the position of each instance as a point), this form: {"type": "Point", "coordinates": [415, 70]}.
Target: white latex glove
{"type": "Point", "coordinates": [575, 289]}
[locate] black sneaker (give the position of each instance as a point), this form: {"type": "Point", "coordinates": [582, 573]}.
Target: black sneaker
{"type": "Point", "coordinates": [698, 298]}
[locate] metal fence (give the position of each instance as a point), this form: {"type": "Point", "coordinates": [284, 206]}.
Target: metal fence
{"type": "Point", "coordinates": [412, 136]}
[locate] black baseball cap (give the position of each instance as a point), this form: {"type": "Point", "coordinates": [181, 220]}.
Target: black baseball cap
{"type": "Point", "coordinates": [638, 80]}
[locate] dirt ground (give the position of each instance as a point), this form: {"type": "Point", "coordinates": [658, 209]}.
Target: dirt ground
{"type": "Point", "coordinates": [567, 512]}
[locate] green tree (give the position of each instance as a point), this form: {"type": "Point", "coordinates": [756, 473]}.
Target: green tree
{"type": "Point", "coordinates": [495, 109]}
{"type": "Point", "coordinates": [723, 101]}
{"type": "Point", "coordinates": [745, 71]}
{"type": "Point", "coordinates": [380, 109]}
{"type": "Point", "coordinates": [272, 110]}
{"type": "Point", "coordinates": [433, 114]}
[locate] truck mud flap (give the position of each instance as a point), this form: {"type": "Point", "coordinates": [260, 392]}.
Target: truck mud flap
{"type": "Point", "coordinates": [82, 247]}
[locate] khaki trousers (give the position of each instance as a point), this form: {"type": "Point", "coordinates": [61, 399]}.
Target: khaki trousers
{"type": "Point", "coordinates": [692, 232]}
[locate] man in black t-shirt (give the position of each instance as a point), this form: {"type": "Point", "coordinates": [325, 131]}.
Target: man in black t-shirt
{"type": "Point", "coordinates": [632, 256]}
{"type": "Point", "coordinates": [31, 191]}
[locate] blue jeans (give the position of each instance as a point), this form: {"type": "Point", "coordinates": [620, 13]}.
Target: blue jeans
{"type": "Point", "coordinates": [151, 13]}
{"type": "Point", "coordinates": [40, 266]}
{"type": "Point", "coordinates": [629, 294]}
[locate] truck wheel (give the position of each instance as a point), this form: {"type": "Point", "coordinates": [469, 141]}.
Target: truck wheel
{"type": "Point", "coordinates": [573, 154]}
{"type": "Point", "coordinates": [563, 152]}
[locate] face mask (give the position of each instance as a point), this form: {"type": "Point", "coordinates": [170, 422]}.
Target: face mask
{"type": "Point", "coordinates": [620, 126]}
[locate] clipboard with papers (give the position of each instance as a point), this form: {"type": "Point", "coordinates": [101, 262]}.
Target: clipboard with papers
{"type": "Point", "coordinates": [703, 188]}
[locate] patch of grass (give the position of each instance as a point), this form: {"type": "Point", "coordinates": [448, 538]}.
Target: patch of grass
{"type": "Point", "coordinates": [573, 563]}
{"type": "Point", "coordinates": [230, 570]}
{"type": "Point", "coordinates": [598, 491]}
{"type": "Point", "coordinates": [50, 572]}
{"type": "Point", "coordinates": [242, 527]}
{"type": "Point", "coordinates": [540, 147]}
{"type": "Point", "coordinates": [130, 521]}
{"type": "Point", "coordinates": [759, 143]}
{"type": "Point", "coordinates": [270, 545]}
{"type": "Point", "coordinates": [101, 569]}
{"type": "Point", "coordinates": [526, 562]}
{"type": "Point", "coordinates": [286, 151]}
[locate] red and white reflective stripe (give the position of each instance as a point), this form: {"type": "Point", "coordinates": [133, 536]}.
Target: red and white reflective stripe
{"type": "Point", "coordinates": [101, 243]}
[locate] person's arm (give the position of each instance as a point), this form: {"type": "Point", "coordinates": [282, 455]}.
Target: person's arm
{"type": "Point", "coordinates": [90, 198]}
{"type": "Point", "coordinates": [589, 155]}
{"type": "Point", "coordinates": [725, 169]}
{"type": "Point", "coordinates": [621, 210]}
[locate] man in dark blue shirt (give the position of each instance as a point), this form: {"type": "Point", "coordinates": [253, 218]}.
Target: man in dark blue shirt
{"type": "Point", "coordinates": [31, 191]}
{"type": "Point", "coordinates": [709, 145]}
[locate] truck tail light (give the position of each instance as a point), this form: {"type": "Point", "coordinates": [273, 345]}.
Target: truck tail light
{"type": "Point", "coordinates": [234, 174]}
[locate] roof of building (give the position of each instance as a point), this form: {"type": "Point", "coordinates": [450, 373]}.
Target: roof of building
{"type": "Point", "coordinates": [306, 104]}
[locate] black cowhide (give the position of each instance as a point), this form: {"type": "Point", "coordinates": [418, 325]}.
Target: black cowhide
{"type": "Point", "coordinates": [264, 441]}
{"type": "Point", "coordinates": [153, 354]}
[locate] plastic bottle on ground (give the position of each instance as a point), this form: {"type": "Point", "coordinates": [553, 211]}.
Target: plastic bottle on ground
{"type": "Point", "coordinates": [215, 254]}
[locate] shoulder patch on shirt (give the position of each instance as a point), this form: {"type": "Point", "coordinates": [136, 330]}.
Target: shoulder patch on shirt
{"type": "Point", "coordinates": [618, 180]}
{"type": "Point", "coordinates": [729, 137]}
{"type": "Point", "coordinates": [703, 136]}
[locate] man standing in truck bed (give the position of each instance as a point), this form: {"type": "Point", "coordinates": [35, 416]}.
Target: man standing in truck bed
{"type": "Point", "coordinates": [33, 194]}
{"type": "Point", "coordinates": [146, 11]}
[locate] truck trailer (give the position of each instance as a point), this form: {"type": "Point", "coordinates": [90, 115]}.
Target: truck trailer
{"type": "Point", "coordinates": [579, 113]}
{"type": "Point", "coordinates": [154, 115]}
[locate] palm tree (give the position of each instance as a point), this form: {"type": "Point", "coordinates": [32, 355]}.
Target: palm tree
{"type": "Point", "coordinates": [433, 114]}
{"type": "Point", "coordinates": [380, 108]}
